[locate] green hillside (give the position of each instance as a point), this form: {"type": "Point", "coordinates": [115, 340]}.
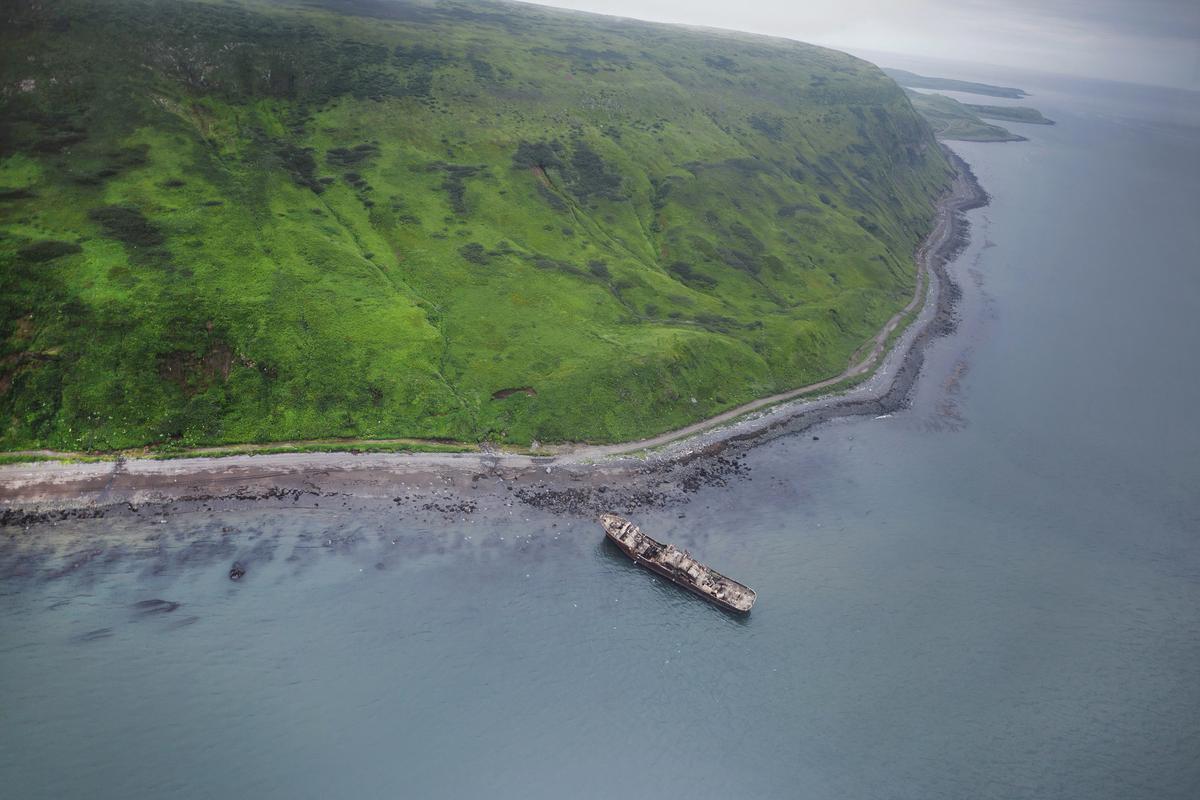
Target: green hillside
{"type": "Point", "coordinates": [259, 221]}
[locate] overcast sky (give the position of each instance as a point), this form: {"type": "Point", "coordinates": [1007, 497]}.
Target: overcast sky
{"type": "Point", "coordinates": [1140, 41]}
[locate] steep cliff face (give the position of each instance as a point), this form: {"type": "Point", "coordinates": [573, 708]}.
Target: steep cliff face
{"type": "Point", "coordinates": [248, 221]}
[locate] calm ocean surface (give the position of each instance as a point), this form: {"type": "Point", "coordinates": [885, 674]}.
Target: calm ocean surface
{"type": "Point", "coordinates": [995, 594]}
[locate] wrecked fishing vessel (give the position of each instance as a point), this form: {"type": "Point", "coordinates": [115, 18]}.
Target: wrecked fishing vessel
{"type": "Point", "coordinates": [677, 565]}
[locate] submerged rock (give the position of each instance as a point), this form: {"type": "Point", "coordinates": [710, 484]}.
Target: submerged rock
{"type": "Point", "coordinates": [91, 636]}
{"type": "Point", "coordinates": [156, 606]}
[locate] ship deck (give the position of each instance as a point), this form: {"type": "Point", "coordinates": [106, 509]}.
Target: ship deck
{"type": "Point", "coordinates": [677, 565]}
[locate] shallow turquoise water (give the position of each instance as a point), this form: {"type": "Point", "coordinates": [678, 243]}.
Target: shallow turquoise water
{"type": "Point", "coordinates": [993, 594]}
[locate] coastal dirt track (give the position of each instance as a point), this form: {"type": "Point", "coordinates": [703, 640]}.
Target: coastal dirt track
{"type": "Point", "coordinates": [569, 478]}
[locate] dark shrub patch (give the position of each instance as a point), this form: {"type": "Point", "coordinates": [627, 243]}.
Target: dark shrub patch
{"type": "Point", "coordinates": [554, 265]}
{"type": "Point", "coordinates": [787, 212]}
{"type": "Point", "coordinates": [482, 69]}
{"type": "Point", "coordinates": [591, 176]}
{"type": "Point", "coordinates": [688, 275]}
{"type": "Point", "coordinates": [357, 181]}
{"type": "Point", "coordinates": [419, 85]}
{"type": "Point", "coordinates": [129, 157]}
{"type": "Point", "coordinates": [351, 156]}
{"type": "Point", "coordinates": [544, 155]}
{"type": "Point", "coordinates": [419, 56]}
{"type": "Point", "coordinates": [587, 174]}
{"type": "Point", "coordinates": [173, 183]}
{"type": "Point", "coordinates": [16, 194]}
{"type": "Point", "coordinates": [455, 183]}
{"type": "Point", "coordinates": [868, 226]}
{"type": "Point", "coordinates": [362, 53]}
{"type": "Point", "coordinates": [661, 189]}
{"type": "Point", "coordinates": [115, 162]}
{"type": "Point", "coordinates": [556, 202]}
{"type": "Point", "coordinates": [474, 252]}
{"type": "Point", "coordinates": [769, 125]}
{"type": "Point", "coordinates": [722, 63]}
{"type": "Point", "coordinates": [127, 225]}
{"type": "Point", "coordinates": [739, 260]}
{"type": "Point", "coordinates": [717, 323]}
{"type": "Point", "coordinates": [299, 163]}
{"type": "Point", "coordinates": [47, 250]}
{"type": "Point", "coordinates": [585, 58]}
{"type": "Point", "coordinates": [599, 269]}
{"type": "Point", "coordinates": [418, 63]}
{"type": "Point", "coordinates": [58, 141]}
{"type": "Point", "coordinates": [456, 188]}
{"type": "Point", "coordinates": [747, 236]}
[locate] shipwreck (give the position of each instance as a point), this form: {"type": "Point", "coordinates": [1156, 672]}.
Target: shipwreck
{"type": "Point", "coordinates": [677, 566]}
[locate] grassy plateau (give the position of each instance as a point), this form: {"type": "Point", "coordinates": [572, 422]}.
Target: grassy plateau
{"type": "Point", "coordinates": [251, 221]}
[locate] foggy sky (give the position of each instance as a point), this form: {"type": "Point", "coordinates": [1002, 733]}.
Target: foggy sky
{"type": "Point", "coordinates": [1140, 41]}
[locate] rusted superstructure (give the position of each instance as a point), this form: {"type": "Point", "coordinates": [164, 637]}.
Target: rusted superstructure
{"type": "Point", "coordinates": [677, 565]}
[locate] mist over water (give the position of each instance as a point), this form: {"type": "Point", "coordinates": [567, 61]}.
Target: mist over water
{"type": "Point", "coordinates": [995, 593]}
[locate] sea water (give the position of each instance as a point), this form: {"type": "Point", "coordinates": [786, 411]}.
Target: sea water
{"type": "Point", "coordinates": [993, 594]}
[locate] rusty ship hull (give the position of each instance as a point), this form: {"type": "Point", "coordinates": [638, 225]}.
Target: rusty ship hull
{"type": "Point", "coordinates": [677, 566]}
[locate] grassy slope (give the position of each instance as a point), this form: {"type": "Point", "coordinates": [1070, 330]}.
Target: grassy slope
{"type": "Point", "coordinates": [253, 221]}
{"type": "Point", "coordinates": [951, 119]}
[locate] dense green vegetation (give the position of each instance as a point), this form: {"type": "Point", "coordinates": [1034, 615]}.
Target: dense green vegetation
{"type": "Point", "coordinates": [1024, 114]}
{"type": "Point", "coordinates": [257, 221]}
{"type": "Point", "coordinates": [915, 81]}
{"type": "Point", "coordinates": [951, 119]}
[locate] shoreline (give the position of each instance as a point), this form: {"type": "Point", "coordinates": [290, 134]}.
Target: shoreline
{"type": "Point", "coordinates": [571, 479]}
